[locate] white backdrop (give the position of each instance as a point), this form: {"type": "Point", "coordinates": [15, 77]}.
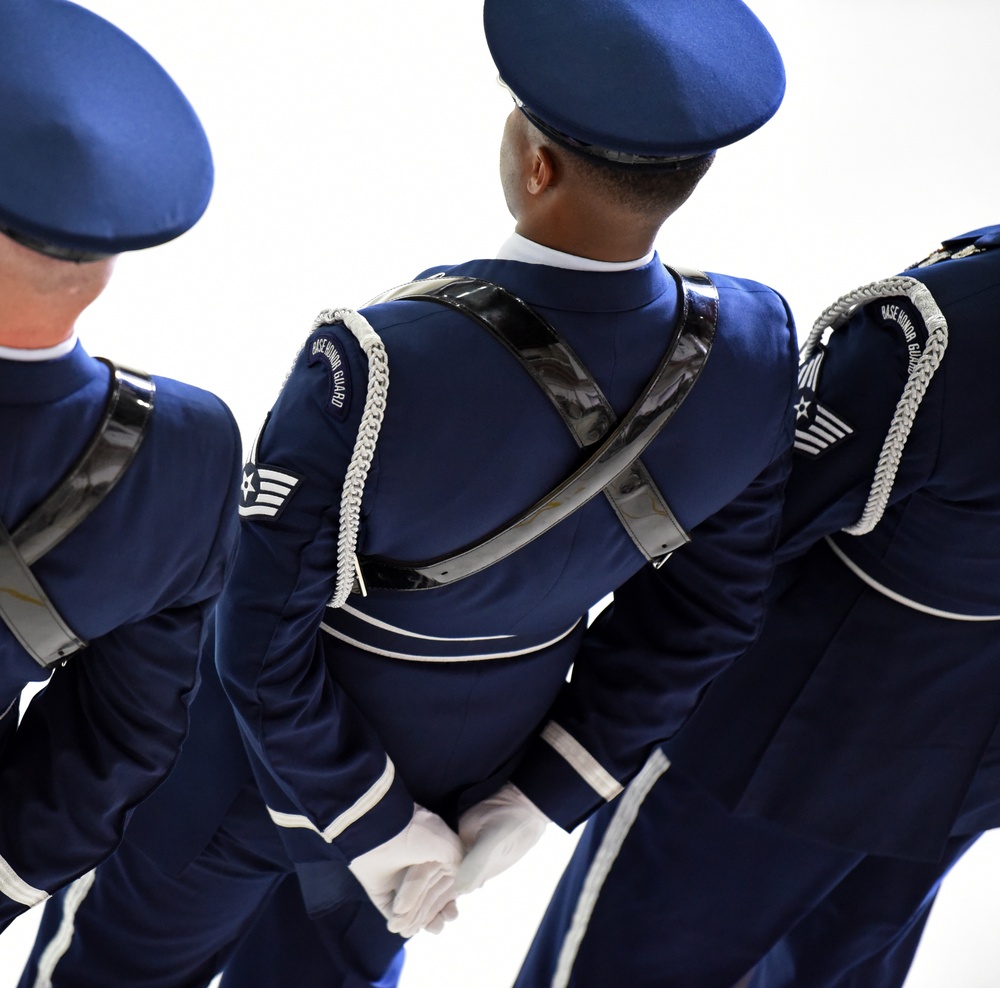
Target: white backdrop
{"type": "Point", "coordinates": [356, 144]}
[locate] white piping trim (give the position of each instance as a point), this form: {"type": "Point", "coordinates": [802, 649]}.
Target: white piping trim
{"type": "Point", "coordinates": [292, 821]}
{"type": "Point", "coordinates": [13, 703]}
{"type": "Point", "coordinates": [347, 609]}
{"type": "Point", "coordinates": [369, 800]}
{"type": "Point", "coordinates": [445, 658]}
{"type": "Point", "coordinates": [60, 943]}
{"type": "Point", "coordinates": [607, 854]}
{"type": "Point", "coordinates": [899, 598]}
{"type": "Point", "coordinates": [15, 887]}
{"type": "Point", "coordinates": [586, 765]}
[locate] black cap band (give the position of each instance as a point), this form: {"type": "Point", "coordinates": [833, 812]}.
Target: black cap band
{"type": "Point", "coordinates": [51, 250]}
{"type": "Point", "coordinates": [652, 161]}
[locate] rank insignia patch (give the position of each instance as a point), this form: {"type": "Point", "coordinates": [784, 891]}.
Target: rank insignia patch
{"type": "Point", "coordinates": [817, 429]}
{"type": "Point", "coordinates": [325, 350]}
{"type": "Point", "coordinates": [265, 490]}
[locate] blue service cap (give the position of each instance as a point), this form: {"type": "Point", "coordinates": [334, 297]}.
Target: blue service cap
{"type": "Point", "coordinates": [100, 152]}
{"type": "Point", "coordinates": [637, 81]}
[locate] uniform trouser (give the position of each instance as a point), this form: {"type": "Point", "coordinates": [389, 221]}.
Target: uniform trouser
{"type": "Point", "coordinates": [866, 931]}
{"type": "Point", "coordinates": [202, 883]}
{"type": "Point", "coordinates": [237, 906]}
{"type": "Point", "coordinates": [692, 896]}
{"type": "Point", "coordinates": [9, 909]}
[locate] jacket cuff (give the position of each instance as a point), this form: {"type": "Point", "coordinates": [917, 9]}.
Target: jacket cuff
{"type": "Point", "coordinates": [377, 815]}
{"type": "Point", "coordinates": [563, 779]}
{"type": "Point", "coordinates": [388, 817]}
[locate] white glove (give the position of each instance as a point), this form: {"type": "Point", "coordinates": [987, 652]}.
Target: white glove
{"type": "Point", "coordinates": [409, 878]}
{"type": "Point", "coordinates": [497, 832]}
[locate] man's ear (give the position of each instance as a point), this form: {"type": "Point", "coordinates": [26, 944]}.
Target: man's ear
{"type": "Point", "coordinates": [543, 171]}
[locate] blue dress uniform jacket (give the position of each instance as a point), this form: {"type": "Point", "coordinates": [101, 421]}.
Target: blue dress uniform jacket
{"type": "Point", "coordinates": [439, 695]}
{"type": "Point", "coordinates": [136, 580]}
{"type": "Point", "coordinates": [850, 756]}
{"type": "Point", "coordinates": [875, 736]}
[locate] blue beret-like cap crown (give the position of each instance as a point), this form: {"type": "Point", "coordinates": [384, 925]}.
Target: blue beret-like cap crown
{"type": "Point", "coordinates": [651, 78]}
{"type": "Point", "coordinates": [99, 149]}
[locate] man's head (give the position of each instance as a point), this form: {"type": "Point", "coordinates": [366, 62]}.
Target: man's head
{"type": "Point", "coordinates": [99, 150]}
{"type": "Point", "coordinates": [626, 101]}
{"type": "Point", "coordinates": [541, 178]}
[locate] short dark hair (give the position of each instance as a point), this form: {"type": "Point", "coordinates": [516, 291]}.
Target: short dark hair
{"type": "Point", "coordinates": [647, 191]}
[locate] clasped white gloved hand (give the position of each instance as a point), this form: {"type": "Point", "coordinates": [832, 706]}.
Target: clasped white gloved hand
{"type": "Point", "coordinates": [410, 877]}
{"type": "Point", "coordinates": [497, 832]}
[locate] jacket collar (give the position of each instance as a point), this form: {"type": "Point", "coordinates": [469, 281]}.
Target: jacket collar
{"type": "Point", "coordinates": [39, 382]}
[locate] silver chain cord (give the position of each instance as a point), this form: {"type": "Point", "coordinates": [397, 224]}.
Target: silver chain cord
{"type": "Point", "coordinates": [916, 385]}
{"type": "Point", "coordinates": [364, 446]}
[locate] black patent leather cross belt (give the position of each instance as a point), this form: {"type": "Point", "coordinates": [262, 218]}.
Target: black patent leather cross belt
{"type": "Point", "coordinates": [24, 606]}
{"type": "Point", "coordinates": [614, 466]}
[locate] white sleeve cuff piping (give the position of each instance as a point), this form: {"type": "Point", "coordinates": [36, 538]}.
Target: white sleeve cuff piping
{"type": "Point", "coordinates": [582, 761]}
{"type": "Point", "coordinates": [351, 815]}
{"type": "Point", "coordinates": [16, 888]}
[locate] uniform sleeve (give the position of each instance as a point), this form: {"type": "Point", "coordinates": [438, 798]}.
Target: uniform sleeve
{"type": "Point", "coordinates": [324, 768]}
{"type": "Point", "coordinates": [646, 658]}
{"type": "Point", "coordinates": [842, 418]}
{"type": "Point", "coordinates": [107, 728]}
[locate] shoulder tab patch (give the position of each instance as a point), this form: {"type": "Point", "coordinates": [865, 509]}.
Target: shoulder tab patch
{"type": "Point", "coordinates": [817, 429]}
{"type": "Point", "coordinates": [325, 350]}
{"type": "Point", "coordinates": [900, 317]}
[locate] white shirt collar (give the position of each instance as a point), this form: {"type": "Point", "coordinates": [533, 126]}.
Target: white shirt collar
{"type": "Point", "coordinates": [26, 355]}
{"type": "Point", "coordinates": [518, 248]}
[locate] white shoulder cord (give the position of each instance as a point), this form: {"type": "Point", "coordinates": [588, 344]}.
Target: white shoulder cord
{"type": "Point", "coordinates": [364, 446]}
{"type": "Point", "coordinates": [916, 385]}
